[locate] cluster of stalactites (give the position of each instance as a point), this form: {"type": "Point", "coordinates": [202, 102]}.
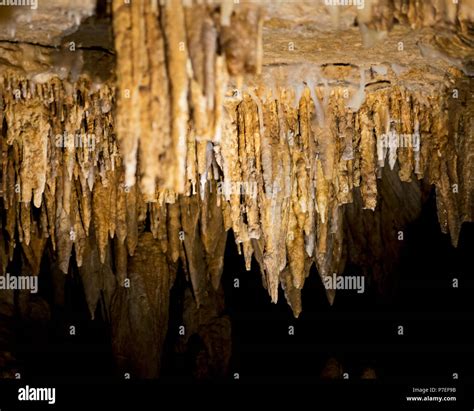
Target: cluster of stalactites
{"type": "Point", "coordinates": [306, 161]}
{"type": "Point", "coordinates": [381, 15]}
{"type": "Point", "coordinates": [173, 60]}
{"type": "Point", "coordinates": [377, 17]}
{"type": "Point", "coordinates": [279, 176]}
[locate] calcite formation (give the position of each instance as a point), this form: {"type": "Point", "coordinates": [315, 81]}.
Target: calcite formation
{"type": "Point", "coordinates": [123, 170]}
{"type": "Point", "coordinates": [168, 63]}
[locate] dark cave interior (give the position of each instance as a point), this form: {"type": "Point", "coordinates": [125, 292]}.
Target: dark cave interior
{"type": "Point", "coordinates": [357, 333]}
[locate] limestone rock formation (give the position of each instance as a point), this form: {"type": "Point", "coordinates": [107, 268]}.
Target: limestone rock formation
{"type": "Point", "coordinates": [312, 131]}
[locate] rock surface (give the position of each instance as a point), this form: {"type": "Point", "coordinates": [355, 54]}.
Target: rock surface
{"type": "Point", "coordinates": [312, 139]}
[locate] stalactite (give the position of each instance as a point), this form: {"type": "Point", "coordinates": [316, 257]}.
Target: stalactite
{"type": "Point", "coordinates": [380, 15]}
{"type": "Point", "coordinates": [279, 175]}
{"type": "Point", "coordinates": [177, 153]}
{"type": "Point", "coordinates": [170, 75]}
{"type": "Point", "coordinates": [139, 313]}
